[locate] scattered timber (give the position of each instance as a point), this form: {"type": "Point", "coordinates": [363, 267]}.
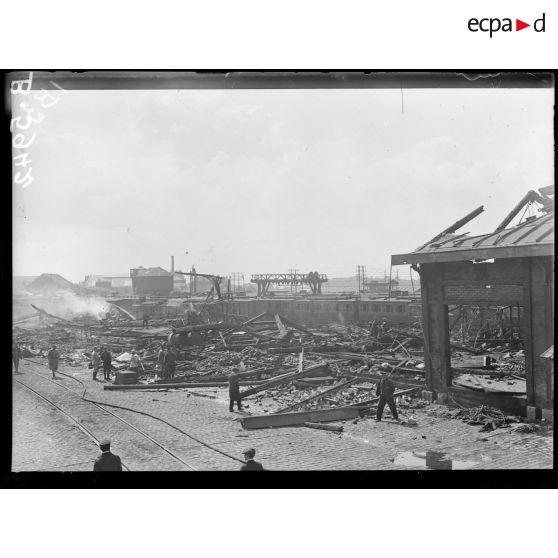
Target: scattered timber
{"type": "Point", "coordinates": [112, 387]}
{"type": "Point", "coordinates": [319, 396]}
{"type": "Point", "coordinates": [282, 379]}
{"type": "Point", "coordinates": [294, 419]}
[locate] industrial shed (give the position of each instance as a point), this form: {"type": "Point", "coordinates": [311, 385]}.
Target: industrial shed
{"type": "Point", "coordinates": [511, 266]}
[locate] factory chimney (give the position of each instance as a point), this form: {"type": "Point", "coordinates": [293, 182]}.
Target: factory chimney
{"type": "Point", "coordinates": [172, 264]}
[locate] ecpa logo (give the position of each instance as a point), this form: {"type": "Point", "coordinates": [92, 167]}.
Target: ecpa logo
{"type": "Point", "coordinates": [494, 24]}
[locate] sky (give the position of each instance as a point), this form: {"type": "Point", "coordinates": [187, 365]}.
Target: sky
{"type": "Point", "coordinates": [264, 181]}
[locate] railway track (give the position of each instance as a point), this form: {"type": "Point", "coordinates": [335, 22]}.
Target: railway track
{"type": "Point", "coordinates": [82, 412]}
{"type": "Point", "coordinates": [101, 407]}
{"type": "Point", "coordinates": [97, 408]}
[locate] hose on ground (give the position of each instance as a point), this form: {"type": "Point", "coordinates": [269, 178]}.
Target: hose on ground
{"type": "Point", "coordinates": [102, 403]}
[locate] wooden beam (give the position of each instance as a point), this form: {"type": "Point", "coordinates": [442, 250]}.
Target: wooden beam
{"type": "Point", "coordinates": [296, 326]}
{"type": "Point", "coordinates": [320, 426]}
{"type": "Point", "coordinates": [282, 379]}
{"type": "Point", "coordinates": [530, 196]}
{"type": "Point", "coordinates": [457, 225]}
{"type": "Point", "coordinates": [319, 395]}
{"type": "Point", "coordinates": [294, 419]}
{"type": "Point", "coordinates": [113, 387]}
{"type": "Point", "coordinates": [280, 326]}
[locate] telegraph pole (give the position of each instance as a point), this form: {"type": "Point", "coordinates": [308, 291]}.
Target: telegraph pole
{"type": "Point", "coordinates": [358, 278]}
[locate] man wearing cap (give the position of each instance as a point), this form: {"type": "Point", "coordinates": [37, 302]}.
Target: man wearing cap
{"type": "Point", "coordinates": [107, 461]}
{"type": "Point", "coordinates": [53, 359]}
{"type": "Point", "coordinates": [385, 389]}
{"type": "Point", "coordinates": [250, 464]}
{"type": "Point", "coordinates": [234, 391]}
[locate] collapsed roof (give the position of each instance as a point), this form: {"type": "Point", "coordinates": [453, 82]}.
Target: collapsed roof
{"type": "Point", "coordinates": [532, 237]}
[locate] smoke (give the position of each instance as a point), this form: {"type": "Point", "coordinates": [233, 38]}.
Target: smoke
{"type": "Point", "coordinates": [68, 305]}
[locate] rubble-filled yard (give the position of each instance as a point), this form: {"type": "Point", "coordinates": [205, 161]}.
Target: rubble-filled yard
{"type": "Point", "coordinates": [284, 368]}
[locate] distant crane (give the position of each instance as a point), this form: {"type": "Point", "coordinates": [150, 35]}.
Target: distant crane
{"type": "Point", "coordinates": [215, 280]}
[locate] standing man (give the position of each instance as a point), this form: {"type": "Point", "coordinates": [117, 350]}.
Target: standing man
{"type": "Point", "coordinates": [53, 359]}
{"type": "Point", "coordinates": [234, 392]}
{"type": "Point", "coordinates": [170, 363]}
{"type": "Point", "coordinates": [385, 389]}
{"type": "Point", "coordinates": [134, 362]}
{"type": "Point", "coordinates": [145, 321]}
{"type": "Point", "coordinates": [251, 465]}
{"type": "Point", "coordinates": [17, 355]}
{"type": "Point", "coordinates": [106, 358]}
{"type": "Point", "coordinates": [96, 362]}
{"type": "Point", "coordinates": [107, 461]}
{"type": "Point", "coordinates": [161, 360]}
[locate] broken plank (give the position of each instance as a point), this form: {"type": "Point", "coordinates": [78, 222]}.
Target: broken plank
{"type": "Point", "coordinates": [282, 379]}
{"type": "Point", "coordinates": [295, 325]}
{"type": "Point", "coordinates": [280, 326]}
{"type": "Point", "coordinates": [374, 378]}
{"type": "Point", "coordinates": [320, 426]}
{"type": "Point", "coordinates": [254, 319]}
{"type": "Point", "coordinates": [319, 396]}
{"type": "Point", "coordinates": [111, 387]}
{"type": "Point", "coordinates": [293, 419]}
{"type": "Point", "coordinates": [313, 382]}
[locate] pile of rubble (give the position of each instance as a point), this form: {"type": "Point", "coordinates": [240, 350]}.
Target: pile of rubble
{"type": "Point", "coordinates": [287, 367]}
{"type": "Point", "coordinates": [487, 417]}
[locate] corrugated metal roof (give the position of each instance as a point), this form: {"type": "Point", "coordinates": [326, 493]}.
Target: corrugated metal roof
{"type": "Point", "coordinates": [535, 233]}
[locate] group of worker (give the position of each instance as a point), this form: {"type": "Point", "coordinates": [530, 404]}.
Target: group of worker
{"type": "Point", "coordinates": [102, 357]}
{"type": "Point", "coordinates": [166, 362]}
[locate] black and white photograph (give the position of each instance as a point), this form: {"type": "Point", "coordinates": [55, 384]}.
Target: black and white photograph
{"type": "Point", "coordinates": [282, 271]}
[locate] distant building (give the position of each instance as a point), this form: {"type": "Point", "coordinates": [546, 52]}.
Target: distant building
{"type": "Point", "coordinates": [151, 281]}
{"type": "Point", "coordinates": [377, 286]}
{"type": "Point", "coordinates": [119, 283]}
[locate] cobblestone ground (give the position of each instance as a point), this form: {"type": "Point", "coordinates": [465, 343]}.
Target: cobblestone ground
{"type": "Point", "coordinates": [44, 439]}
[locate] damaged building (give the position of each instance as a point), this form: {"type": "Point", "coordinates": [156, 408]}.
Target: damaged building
{"type": "Point", "coordinates": [508, 268]}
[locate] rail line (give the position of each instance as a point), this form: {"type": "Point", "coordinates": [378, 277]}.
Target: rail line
{"type": "Point", "coordinates": [101, 405]}
{"type": "Point", "coordinates": [85, 430]}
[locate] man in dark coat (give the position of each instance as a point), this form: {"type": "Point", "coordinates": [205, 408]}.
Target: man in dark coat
{"type": "Point", "coordinates": [385, 389]}
{"type": "Point", "coordinates": [251, 465]}
{"type": "Point", "coordinates": [53, 359]}
{"type": "Point", "coordinates": [16, 356]}
{"type": "Point", "coordinates": [170, 363]}
{"type": "Point", "coordinates": [234, 391]}
{"type": "Point", "coordinates": [106, 358]}
{"type": "Point", "coordinates": [107, 461]}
